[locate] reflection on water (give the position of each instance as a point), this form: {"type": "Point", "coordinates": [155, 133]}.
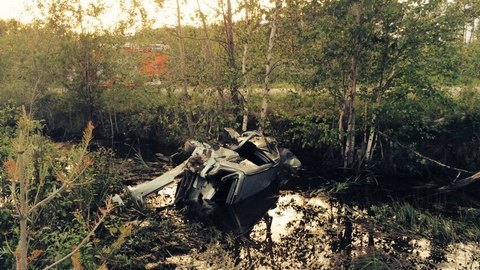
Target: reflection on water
{"type": "Point", "coordinates": [240, 219]}
{"type": "Point", "coordinates": [299, 231]}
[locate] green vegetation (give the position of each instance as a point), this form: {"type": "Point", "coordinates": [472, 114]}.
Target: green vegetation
{"type": "Point", "coordinates": [406, 219]}
{"type": "Point", "coordinates": [374, 262]}
{"type": "Point", "coordinates": [393, 68]}
{"type": "Point", "coordinates": [365, 90]}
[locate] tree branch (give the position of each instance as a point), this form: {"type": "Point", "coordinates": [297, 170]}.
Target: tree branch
{"type": "Point", "coordinates": [425, 157]}
{"type": "Point", "coordinates": [277, 63]}
{"type": "Point", "coordinates": [63, 187]}
{"type": "Point", "coordinates": [454, 185]}
{"type": "Point", "coordinates": [8, 245]}
{"type": "Point", "coordinates": [198, 38]}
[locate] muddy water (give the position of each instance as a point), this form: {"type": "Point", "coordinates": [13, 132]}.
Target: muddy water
{"type": "Point", "coordinates": [297, 230]}
{"type": "Point", "coordinates": [312, 230]}
{"type": "Point", "coordinates": [302, 229]}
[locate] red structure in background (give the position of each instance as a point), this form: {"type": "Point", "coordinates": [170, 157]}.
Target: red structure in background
{"type": "Point", "coordinates": [153, 64]}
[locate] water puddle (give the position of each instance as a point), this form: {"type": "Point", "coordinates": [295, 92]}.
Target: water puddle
{"type": "Point", "coordinates": [309, 230]}
{"type": "Point", "coordinates": [294, 230]}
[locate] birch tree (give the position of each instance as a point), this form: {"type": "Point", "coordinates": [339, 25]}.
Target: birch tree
{"type": "Point", "coordinates": [372, 47]}
{"type": "Point", "coordinates": [251, 22]}
{"type": "Point", "coordinates": [268, 63]}
{"type": "Point", "coordinates": [183, 75]}
{"type": "Point", "coordinates": [230, 48]}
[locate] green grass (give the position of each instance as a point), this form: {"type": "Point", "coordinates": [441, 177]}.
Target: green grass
{"type": "Point", "coordinates": [405, 218]}
{"type": "Point", "coordinates": [374, 261]}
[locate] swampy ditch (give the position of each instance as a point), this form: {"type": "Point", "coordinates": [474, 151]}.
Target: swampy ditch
{"type": "Point", "coordinates": [315, 222]}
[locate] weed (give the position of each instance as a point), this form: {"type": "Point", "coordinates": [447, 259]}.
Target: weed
{"type": "Point", "coordinates": [374, 261]}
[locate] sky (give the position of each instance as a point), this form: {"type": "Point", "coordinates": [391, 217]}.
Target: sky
{"type": "Point", "coordinates": [12, 9]}
{"type": "Point", "coordinates": [16, 9]}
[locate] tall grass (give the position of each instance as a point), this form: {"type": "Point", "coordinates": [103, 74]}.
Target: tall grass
{"type": "Point", "coordinates": [405, 218]}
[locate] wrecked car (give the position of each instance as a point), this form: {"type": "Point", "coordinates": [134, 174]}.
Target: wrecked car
{"type": "Point", "coordinates": [239, 219]}
{"type": "Point", "coordinates": [239, 167]}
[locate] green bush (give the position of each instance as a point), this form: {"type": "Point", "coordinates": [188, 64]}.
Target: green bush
{"type": "Point", "coordinates": [8, 119]}
{"type": "Point", "coordinates": [67, 219]}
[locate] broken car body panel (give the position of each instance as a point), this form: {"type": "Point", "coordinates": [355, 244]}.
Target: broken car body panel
{"type": "Point", "coordinates": [241, 167]}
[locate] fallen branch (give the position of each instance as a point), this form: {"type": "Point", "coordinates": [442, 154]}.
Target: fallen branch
{"type": "Point", "coordinates": [425, 157]}
{"type": "Point", "coordinates": [455, 184]}
{"type": "Point", "coordinates": [460, 183]}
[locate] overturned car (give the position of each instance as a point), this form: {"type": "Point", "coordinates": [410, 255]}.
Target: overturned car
{"type": "Point", "coordinates": [231, 172]}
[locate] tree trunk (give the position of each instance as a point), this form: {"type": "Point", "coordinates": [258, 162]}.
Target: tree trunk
{"type": "Point", "coordinates": [460, 183]}
{"type": "Point", "coordinates": [370, 142]}
{"type": "Point", "coordinates": [209, 56]}
{"type": "Point", "coordinates": [372, 131]}
{"type": "Point", "coordinates": [268, 67]}
{"type": "Point", "coordinates": [384, 80]}
{"type": "Point", "coordinates": [472, 32]}
{"type": "Point", "coordinates": [349, 156]}
{"type": "Point", "coordinates": [115, 119]}
{"type": "Point", "coordinates": [186, 97]}
{"type": "Point", "coordinates": [369, 137]}
{"type": "Point", "coordinates": [112, 128]}
{"type": "Point", "coordinates": [21, 251]}
{"type": "Point", "coordinates": [228, 22]}
{"type": "Point", "coordinates": [341, 114]}
{"type": "Point", "coordinates": [350, 139]}
{"type": "Point", "coordinates": [245, 87]}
